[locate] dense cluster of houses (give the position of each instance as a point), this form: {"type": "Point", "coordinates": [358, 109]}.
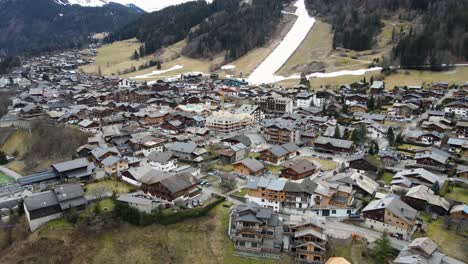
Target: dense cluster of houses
{"type": "Point", "coordinates": [162, 136]}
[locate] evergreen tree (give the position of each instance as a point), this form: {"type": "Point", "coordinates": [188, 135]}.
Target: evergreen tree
{"type": "Point", "coordinates": [371, 103]}
{"type": "Point", "coordinates": [158, 64]}
{"type": "Point", "coordinates": [378, 103]}
{"type": "Point", "coordinates": [135, 55]}
{"type": "Point", "coordinates": [399, 139]}
{"type": "Point", "coordinates": [142, 50]}
{"type": "Point", "coordinates": [362, 133]}
{"type": "Point", "coordinates": [372, 79]}
{"type": "Point", "coordinates": [382, 249]}
{"type": "Point", "coordinates": [355, 136]}
{"type": "Point", "coordinates": [304, 81]}
{"type": "Point", "coordinates": [345, 108]}
{"type": "Point", "coordinates": [337, 133]}
{"type": "Point", "coordinates": [436, 187]}
{"type": "Point", "coordinates": [390, 136]}
{"type": "Point", "coordinates": [3, 159]}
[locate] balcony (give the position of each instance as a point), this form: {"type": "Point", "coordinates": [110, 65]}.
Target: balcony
{"type": "Point", "coordinates": [250, 239]}
{"type": "Point", "coordinates": [299, 260]}
{"type": "Point", "coordinates": [308, 252]}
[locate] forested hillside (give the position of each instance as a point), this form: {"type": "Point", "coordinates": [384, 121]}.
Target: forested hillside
{"type": "Point", "coordinates": [41, 25]}
{"type": "Point", "coordinates": [236, 29]}
{"type": "Point", "coordinates": [164, 27]}
{"type": "Point", "coordinates": [224, 25]}
{"type": "Point", "coordinates": [438, 35]}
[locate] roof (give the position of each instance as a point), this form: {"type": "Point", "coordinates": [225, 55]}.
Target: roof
{"type": "Point", "coordinates": [179, 182]}
{"type": "Point", "coordinates": [365, 183]}
{"type": "Point", "coordinates": [337, 260]}
{"type": "Point", "coordinates": [459, 208]}
{"type": "Point", "coordinates": [419, 173]}
{"type": "Point", "coordinates": [111, 160]}
{"type": "Point", "coordinates": [278, 151]}
{"type": "Point", "coordinates": [70, 195]}
{"type": "Point", "coordinates": [424, 193]}
{"type": "Point", "coordinates": [310, 231]}
{"type": "Point", "coordinates": [394, 204]}
{"type": "Point", "coordinates": [425, 244]}
{"type": "Point", "coordinates": [340, 143]}
{"type": "Point", "coordinates": [71, 165]}
{"type": "Point", "coordinates": [290, 147]}
{"type": "Point", "coordinates": [40, 200]}
{"type": "Point", "coordinates": [136, 198]}
{"type": "Point", "coordinates": [160, 157]}
{"type": "Point", "coordinates": [252, 164]}
{"type": "Point", "coordinates": [183, 147]}
{"type": "Point", "coordinates": [300, 166]}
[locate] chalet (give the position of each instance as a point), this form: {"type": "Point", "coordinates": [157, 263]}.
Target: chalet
{"type": "Point", "coordinates": [332, 199]}
{"type": "Point", "coordinates": [356, 99]}
{"type": "Point", "coordinates": [360, 182]}
{"type": "Point", "coordinates": [364, 163]}
{"type": "Point", "coordinates": [114, 165]}
{"type": "Point", "coordinates": [43, 207]}
{"type": "Point", "coordinates": [234, 153]}
{"type": "Point", "coordinates": [414, 177]}
{"type": "Point", "coordinates": [458, 108]}
{"type": "Point", "coordinates": [297, 169]}
{"type": "Point", "coordinates": [432, 158]}
{"type": "Point", "coordinates": [462, 171]}
{"type": "Point", "coordinates": [31, 111]}
{"type": "Point", "coordinates": [169, 187]}
{"type": "Point", "coordinates": [459, 212]}
{"type": "Point", "coordinates": [78, 169]}
{"type": "Point", "coordinates": [390, 214]}
{"type": "Point", "coordinates": [389, 158]}
{"type": "Point", "coordinates": [279, 153]}
{"type": "Point", "coordinates": [253, 110]}
{"type": "Point", "coordinates": [99, 154]}
{"type": "Point", "coordinates": [163, 161]}
{"type": "Point", "coordinates": [249, 167]}
{"type": "Point", "coordinates": [308, 241]}
{"type": "Point", "coordinates": [377, 87]}
{"type": "Point", "coordinates": [405, 110]}
{"type": "Point", "coordinates": [357, 108]}
{"type": "Point", "coordinates": [461, 129]}
{"type": "Point", "coordinates": [280, 131]}
{"type": "Point", "coordinates": [140, 201]}
{"type": "Point", "coordinates": [188, 151]}
{"type": "Point", "coordinates": [256, 230]}
{"type": "Point", "coordinates": [423, 250]}
{"type": "Point", "coordinates": [422, 198]}
{"type": "Point", "coordinates": [333, 145]}
{"type": "Point", "coordinates": [89, 126]}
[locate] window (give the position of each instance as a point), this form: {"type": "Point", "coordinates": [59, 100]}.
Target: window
{"type": "Point", "coordinates": [348, 211]}
{"type": "Point", "coordinates": [248, 235]}
{"type": "Point", "coordinates": [333, 212]}
{"type": "Point", "coordinates": [242, 244]}
{"type": "Point", "coordinates": [254, 245]}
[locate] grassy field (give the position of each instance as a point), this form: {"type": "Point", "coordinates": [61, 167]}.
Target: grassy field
{"type": "Point", "coordinates": [458, 194]}
{"type": "Point", "coordinates": [387, 177]}
{"type": "Point", "coordinates": [273, 168]}
{"type": "Point", "coordinates": [326, 165]}
{"type": "Point", "coordinates": [4, 179]}
{"type": "Point", "coordinates": [201, 240]}
{"type": "Point", "coordinates": [115, 57]}
{"type": "Point", "coordinates": [354, 252]}
{"type": "Point", "coordinates": [108, 186]}
{"type": "Point", "coordinates": [409, 147]}
{"type": "Point", "coordinates": [242, 192]}
{"type": "Point", "coordinates": [448, 240]}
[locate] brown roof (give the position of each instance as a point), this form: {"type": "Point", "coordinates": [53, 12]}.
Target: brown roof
{"type": "Point", "coordinates": [299, 166]}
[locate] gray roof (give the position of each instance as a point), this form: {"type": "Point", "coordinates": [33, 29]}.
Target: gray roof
{"type": "Point", "coordinates": [71, 165]}
{"type": "Point", "coordinates": [334, 142]}
{"type": "Point", "coordinates": [111, 160]}
{"type": "Point", "coordinates": [179, 182]}
{"type": "Point", "coordinates": [290, 147]}
{"type": "Point", "coordinates": [183, 147]}
{"type": "Point", "coordinates": [278, 151]}
{"type": "Point", "coordinates": [394, 204]}
{"type": "Point", "coordinates": [160, 157]}
{"type": "Point", "coordinates": [40, 200]}
{"type": "Point", "coordinates": [253, 164]}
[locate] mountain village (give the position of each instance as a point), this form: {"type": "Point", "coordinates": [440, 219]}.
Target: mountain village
{"type": "Point", "coordinates": [296, 167]}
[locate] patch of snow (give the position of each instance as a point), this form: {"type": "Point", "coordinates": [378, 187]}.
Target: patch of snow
{"type": "Point", "coordinates": [328, 74]}
{"type": "Point", "coordinates": [158, 72]}
{"type": "Point", "coordinates": [265, 72]}
{"type": "Point", "coordinates": [228, 67]}
{"type": "Point", "coordinates": [147, 5]}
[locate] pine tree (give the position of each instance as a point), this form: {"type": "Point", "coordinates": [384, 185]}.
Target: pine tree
{"type": "Point", "coordinates": [355, 136]}
{"type": "Point", "coordinates": [372, 79]}
{"type": "Point", "coordinates": [304, 81]}
{"type": "Point", "coordinates": [337, 133]}
{"type": "Point", "coordinates": [382, 249]}
{"type": "Point", "coordinates": [142, 50]}
{"type": "Point", "coordinates": [135, 55]}
{"type": "Point", "coordinates": [435, 187]}
{"type": "Point", "coordinates": [3, 159]}
{"type": "Point", "coordinates": [390, 136]}
{"type": "Point", "coordinates": [158, 65]}
{"type": "Point", "coordinates": [371, 103]}
{"type": "Point", "coordinates": [399, 139]}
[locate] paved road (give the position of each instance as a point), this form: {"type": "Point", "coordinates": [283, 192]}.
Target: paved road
{"type": "Point", "coordinates": [10, 173]}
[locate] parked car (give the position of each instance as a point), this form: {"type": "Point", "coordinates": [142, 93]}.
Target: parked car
{"type": "Point", "coordinates": [194, 203]}
{"type": "Point", "coordinates": [242, 177]}
{"type": "Point", "coordinates": [200, 203]}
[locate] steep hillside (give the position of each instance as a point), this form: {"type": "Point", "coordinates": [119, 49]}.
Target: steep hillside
{"type": "Point", "coordinates": [41, 25]}
{"type": "Point", "coordinates": [231, 26]}
{"type": "Point", "coordinates": [438, 33]}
